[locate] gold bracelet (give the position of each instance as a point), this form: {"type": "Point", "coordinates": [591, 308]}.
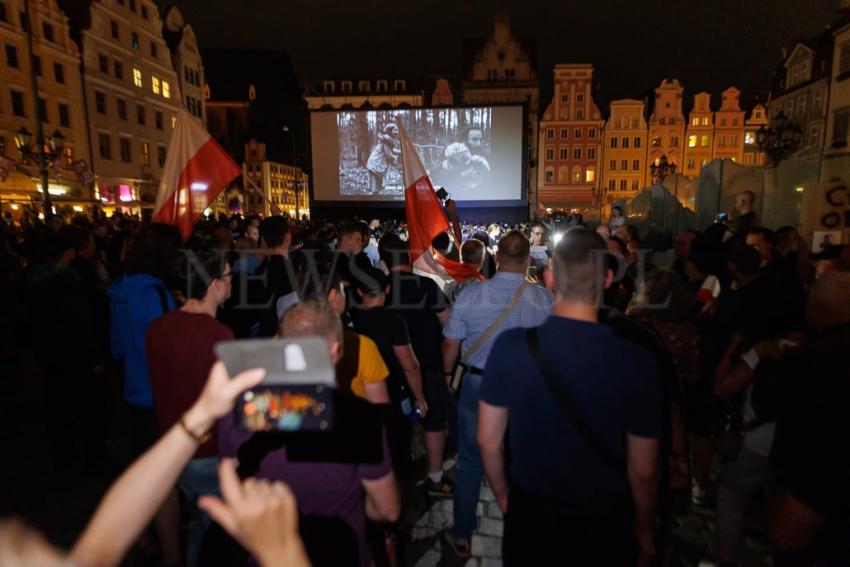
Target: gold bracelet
{"type": "Point", "coordinates": [199, 439]}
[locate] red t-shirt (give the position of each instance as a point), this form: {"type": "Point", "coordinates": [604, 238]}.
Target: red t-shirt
{"type": "Point", "coordinates": [179, 347]}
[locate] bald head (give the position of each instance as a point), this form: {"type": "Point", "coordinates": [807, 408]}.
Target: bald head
{"type": "Point", "coordinates": [313, 318]}
{"type": "Point", "coordinates": [513, 254]}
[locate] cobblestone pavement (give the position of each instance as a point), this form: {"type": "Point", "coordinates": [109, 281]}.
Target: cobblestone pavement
{"type": "Point", "coordinates": [692, 535]}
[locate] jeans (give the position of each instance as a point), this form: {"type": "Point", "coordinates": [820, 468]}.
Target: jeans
{"type": "Point", "coordinates": [469, 468]}
{"type": "Point", "coordinates": [199, 478]}
{"type": "Point", "coordinates": [740, 482]}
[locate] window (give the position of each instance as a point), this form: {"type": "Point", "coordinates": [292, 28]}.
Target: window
{"type": "Point", "coordinates": [579, 114]}
{"type": "Point", "coordinates": [144, 12]}
{"type": "Point", "coordinates": [623, 184]}
{"type": "Point", "coordinates": [814, 136]}
{"type": "Point", "coordinates": [113, 26]}
{"type": "Point", "coordinates": [692, 141]}
{"type": "Point", "coordinates": [42, 110]}
{"type": "Point", "coordinates": [157, 119]}
{"type": "Point", "coordinates": [656, 141]}
{"type": "Point", "coordinates": [841, 128]}
{"type": "Point", "coordinates": [576, 174]}
{"type": "Point", "coordinates": [549, 175]}
{"type": "Point", "coordinates": [510, 73]}
{"type": "Point", "coordinates": [363, 86]}
{"type": "Point", "coordinates": [121, 106]}
{"type": "Point", "coordinates": [155, 85]}
{"type": "Point", "coordinates": [591, 132]}
{"type": "Point", "coordinates": [399, 85]}
{"type": "Point", "coordinates": [635, 184]}
{"type": "Point", "coordinates": [563, 174]}
{"type": "Point", "coordinates": [104, 145]}
{"type": "Point", "coordinates": [579, 97]}
{"type": "Point", "coordinates": [137, 76]}
{"type": "Point", "coordinates": [59, 73]}
{"type": "Point", "coordinates": [166, 89]}
{"type": "Point", "coordinates": [576, 153]}
{"type": "Point", "coordinates": [704, 141]}
{"type": "Point", "coordinates": [64, 116]}
{"type": "Point", "coordinates": [577, 133]}
{"type": "Point", "coordinates": [103, 63]}
{"type": "Point", "coordinates": [100, 102]}
{"type": "Point", "coordinates": [124, 147]}
{"type": "Point", "coordinates": [663, 121]}
{"type": "Point", "coordinates": [695, 121]}
{"type": "Point", "coordinates": [140, 114]}
{"type": "Point", "coordinates": [624, 165]}
{"type": "Point", "coordinates": [132, 5]}
{"type": "Point", "coordinates": [690, 163]}
{"type": "Point", "coordinates": [565, 97]}
{"type": "Point", "coordinates": [154, 50]}
{"type": "Point", "coordinates": [550, 154]}
{"type": "Point", "coordinates": [3, 12]}
{"type": "Point", "coordinates": [160, 155]}
{"type": "Point", "coordinates": [635, 165]}
{"type": "Point", "coordinates": [612, 185]}
{"type": "Point", "coordinates": [674, 141]}
{"type": "Point", "coordinates": [134, 40]}
{"type": "Point", "coordinates": [625, 142]}
{"type": "Point", "coordinates": [382, 87]}
{"type": "Point", "coordinates": [589, 175]}
{"type": "Point", "coordinates": [563, 154]}
{"type": "Point", "coordinates": [637, 142]}
{"type": "Point", "coordinates": [722, 122]}
{"type": "Point", "coordinates": [705, 121]}
{"type": "Point", "coordinates": [47, 28]}
{"type": "Point", "coordinates": [613, 142]}
{"type": "Point", "coordinates": [612, 165]}
{"type": "Point", "coordinates": [734, 122]}
{"type": "Point", "coordinates": [564, 132]}
{"type": "Point", "coordinates": [550, 133]}
{"type": "Point", "coordinates": [328, 86]}
{"type": "Point", "coordinates": [750, 138]}
{"type": "Point", "coordinates": [591, 153]}
{"type": "Point", "coordinates": [12, 56]}
{"type": "Point", "coordinates": [118, 69]}
{"type": "Point", "coordinates": [144, 153]}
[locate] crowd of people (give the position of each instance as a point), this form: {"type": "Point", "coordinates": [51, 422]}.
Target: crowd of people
{"type": "Point", "coordinates": [586, 380]}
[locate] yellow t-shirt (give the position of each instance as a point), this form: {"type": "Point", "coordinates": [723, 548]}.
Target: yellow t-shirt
{"type": "Point", "coordinates": [370, 368]}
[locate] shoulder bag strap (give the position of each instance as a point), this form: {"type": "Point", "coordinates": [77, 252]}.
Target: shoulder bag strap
{"type": "Point", "coordinates": [497, 324]}
{"type": "Point", "coordinates": [568, 407]}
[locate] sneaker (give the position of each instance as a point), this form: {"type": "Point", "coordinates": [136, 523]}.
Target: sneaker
{"type": "Point", "coordinates": [443, 489]}
{"type": "Point", "coordinates": [460, 545]}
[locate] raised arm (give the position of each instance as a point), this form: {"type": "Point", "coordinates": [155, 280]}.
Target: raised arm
{"type": "Point", "coordinates": [133, 499]}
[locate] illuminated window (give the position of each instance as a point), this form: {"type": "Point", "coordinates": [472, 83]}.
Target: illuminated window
{"type": "Point", "coordinates": [576, 174]}
{"type": "Point", "coordinates": [695, 122]}
{"type": "Point", "coordinates": [692, 141]}
{"type": "Point", "coordinates": [137, 76]}
{"type": "Point", "coordinates": [704, 140]}
{"type": "Point", "coordinates": [155, 84]}
{"type": "Point", "coordinates": [166, 89]}
{"type": "Point", "coordinates": [656, 141]}
{"type": "Point", "coordinates": [705, 121]}
{"type": "Point", "coordinates": [590, 175]}
{"type": "Point", "coordinates": [750, 138]}
{"type": "Point", "coordinates": [563, 174]}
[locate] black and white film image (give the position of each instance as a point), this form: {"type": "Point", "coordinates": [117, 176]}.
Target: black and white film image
{"type": "Point", "coordinates": [454, 145]}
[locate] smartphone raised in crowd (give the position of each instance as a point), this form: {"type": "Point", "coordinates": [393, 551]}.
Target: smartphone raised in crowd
{"type": "Point", "coordinates": [297, 392]}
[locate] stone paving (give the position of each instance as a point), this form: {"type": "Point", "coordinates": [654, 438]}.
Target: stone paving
{"type": "Point", "coordinates": [692, 535]}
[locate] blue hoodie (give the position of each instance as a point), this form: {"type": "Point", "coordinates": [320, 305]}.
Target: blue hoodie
{"type": "Point", "coordinates": [135, 302]}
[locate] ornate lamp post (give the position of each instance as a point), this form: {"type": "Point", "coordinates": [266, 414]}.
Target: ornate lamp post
{"type": "Point", "coordinates": [661, 168]}
{"type": "Point", "coordinates": [780, 141]}
{"type": "Point", "coordinates": [46, 151]}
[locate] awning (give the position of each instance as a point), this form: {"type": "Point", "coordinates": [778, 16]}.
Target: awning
{"type": "Point", "coordinates": [18, 183]}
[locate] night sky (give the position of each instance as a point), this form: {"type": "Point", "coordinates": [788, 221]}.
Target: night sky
{"type": "Point", "coordinates": [633, 44]}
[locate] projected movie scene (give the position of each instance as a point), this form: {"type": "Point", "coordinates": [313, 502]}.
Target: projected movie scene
{"type": "Point", "coordinates": [475, 153]}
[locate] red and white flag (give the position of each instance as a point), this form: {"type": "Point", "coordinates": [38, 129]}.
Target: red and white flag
{"type": "Point", "coordinates": [425, 218]}
{"type": "Point", "coordinates": [196, 170]}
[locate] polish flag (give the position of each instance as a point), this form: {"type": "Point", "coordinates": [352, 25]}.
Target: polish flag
{"type": "Point", "coordinates": [426, 218]}
{"type": "Point", "coordinates": [196, 170]}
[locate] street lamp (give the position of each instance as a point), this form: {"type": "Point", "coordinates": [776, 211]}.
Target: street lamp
{"type": "Point", "coordinates": [291, 132]}
{"type": "Point", "coordinates": [46, 151]}
{"type": "Point", "coordinates": [661, 168]}
{"type": "Point", "coordinates": [780, 141]}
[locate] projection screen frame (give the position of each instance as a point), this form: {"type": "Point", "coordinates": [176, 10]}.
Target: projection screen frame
{"type": "Point", "coordinates": [522, 201]}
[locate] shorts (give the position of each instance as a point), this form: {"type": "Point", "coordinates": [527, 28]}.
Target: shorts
{"type": "Point", "coordinates": [437, 397]}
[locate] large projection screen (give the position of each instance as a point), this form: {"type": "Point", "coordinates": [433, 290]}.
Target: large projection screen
{"type": "Point", "coordinates": [476, 153]}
